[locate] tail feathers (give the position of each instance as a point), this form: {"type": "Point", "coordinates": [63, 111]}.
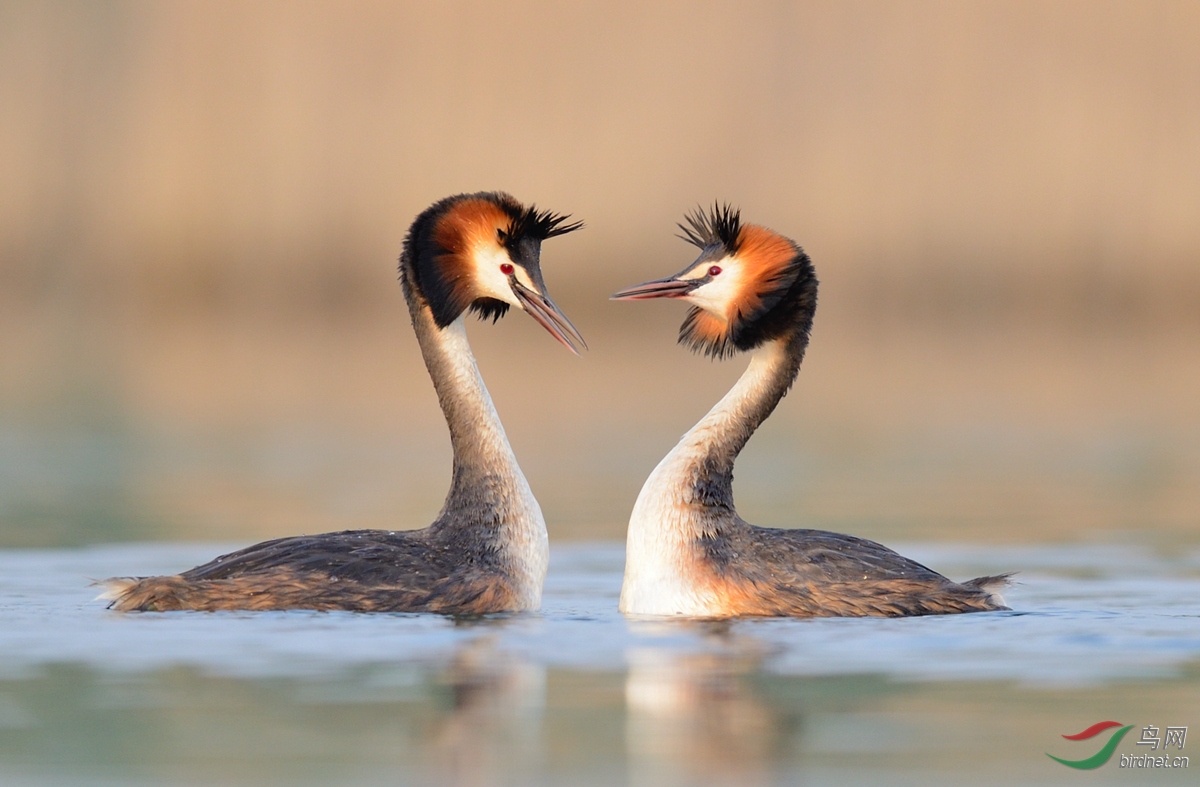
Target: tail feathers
{"type": "Point", "coordinates": [113, 589]}
{"type": "Point", "coordinates": [141, 594]}
{"type": "Point", "coordinates": [992, 585]}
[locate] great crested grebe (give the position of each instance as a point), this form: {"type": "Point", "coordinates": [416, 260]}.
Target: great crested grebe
{"type": "Point", "coordinates": [487, 550]}
{"type": "Point", "coordinates": [688, 552]}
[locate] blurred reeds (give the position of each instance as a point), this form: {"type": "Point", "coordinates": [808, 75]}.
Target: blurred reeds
{"type": "Point", "coordinates": [202, 204]}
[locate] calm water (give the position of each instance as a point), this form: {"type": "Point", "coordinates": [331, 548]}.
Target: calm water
{"type": "Point", "coordinates": [577, 694]}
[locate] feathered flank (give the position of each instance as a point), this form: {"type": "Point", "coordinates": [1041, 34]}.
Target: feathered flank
{"type": "Point", "coordinates": [719, 227]}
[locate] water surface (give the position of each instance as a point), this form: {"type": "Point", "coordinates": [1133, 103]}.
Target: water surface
{"type": "Point", "coordinates": [578, 694]}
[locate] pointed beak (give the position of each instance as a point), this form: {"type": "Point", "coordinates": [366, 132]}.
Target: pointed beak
{"type": "Point", "coordinates": [549, 316]}
{"type": "Point", "coordinates": [670, 287]}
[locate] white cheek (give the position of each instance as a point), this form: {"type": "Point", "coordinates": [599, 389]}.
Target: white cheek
{"type": "Point", "coordinates": [490, 282]}
{"type": "Point", "coordinates": [716, 296]}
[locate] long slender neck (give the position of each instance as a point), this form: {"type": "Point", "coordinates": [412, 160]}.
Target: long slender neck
{"type": "Point", "coordinates": [703, 459]}
{"type": "Point", "coordinates": [488, 487]}
{"type": "Point", "coordinates": [689, 495]}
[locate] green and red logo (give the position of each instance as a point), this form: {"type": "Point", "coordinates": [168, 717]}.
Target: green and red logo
{"type": "Point", "coordinates": [1106, 751]}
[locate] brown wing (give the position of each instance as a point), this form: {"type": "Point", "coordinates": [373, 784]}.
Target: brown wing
{"type": "Point", "coordinates": [766, 571]}
{"type": "Point", "coordinates": [381, 556]}
{"type": "Point", "coordinates": [358, 570]}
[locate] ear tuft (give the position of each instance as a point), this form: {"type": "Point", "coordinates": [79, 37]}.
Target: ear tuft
{"type": "Point", "coordinates": [489, 309]}
{"type": "Point", "coordinates": [706, 334]}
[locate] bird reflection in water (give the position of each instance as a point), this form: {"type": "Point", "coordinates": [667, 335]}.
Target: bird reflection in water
{"type": "Point", "coordinates": [492, 733]}
{"type": "Point", "coordinates": [697, 718]}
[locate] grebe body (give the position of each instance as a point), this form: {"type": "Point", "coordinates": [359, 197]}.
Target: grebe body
{"type": "Point", "coordinates": [487, 550]}
{"type": "Point", "coordinates": [687, 551]}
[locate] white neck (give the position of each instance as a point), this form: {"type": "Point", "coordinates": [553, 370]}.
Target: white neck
{"type": "Point", "coordinates": [488, 493]}
{"type": "Point", "coordinates": [476, 434]}
{"type": "Point", "coordinates": [671, 512]}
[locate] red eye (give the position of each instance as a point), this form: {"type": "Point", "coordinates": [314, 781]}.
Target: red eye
{"type": "Point", "coordinates": [506, 269]}
{"type": "Point", "coordinates": [714, 270]}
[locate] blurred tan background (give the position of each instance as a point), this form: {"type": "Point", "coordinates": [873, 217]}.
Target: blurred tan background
{"type": "Point", "coordinates": [201, 206]}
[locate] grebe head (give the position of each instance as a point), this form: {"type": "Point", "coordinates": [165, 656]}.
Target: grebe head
{"type": "Point", "coordinates": [750, 285]}
{"type": "Point", "coordinates": [482, 252]}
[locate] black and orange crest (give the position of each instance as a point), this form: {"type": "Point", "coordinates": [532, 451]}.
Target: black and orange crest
{"type": "Point", "coordinates": [533, 224]}
{"type": "Point", "coordinates": [777, 294]}
{"type": "Point", "coordinates": [439, 247]}
{"type": "Point", "coordinates": [721, 226]}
